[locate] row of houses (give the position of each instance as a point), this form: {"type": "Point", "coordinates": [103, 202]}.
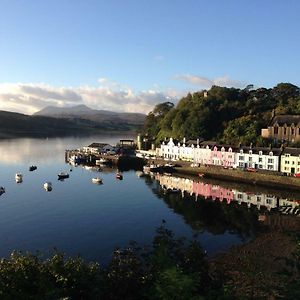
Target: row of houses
{"type": "Point", "coordinates": [285, 160]}
{"type": "Point", "coordinates": [216, 192]}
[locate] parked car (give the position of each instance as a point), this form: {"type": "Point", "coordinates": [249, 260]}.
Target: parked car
{"type": "Point", "coordinates": [297, 175]}
{"type": "Point", "coordinates": [251, 170]}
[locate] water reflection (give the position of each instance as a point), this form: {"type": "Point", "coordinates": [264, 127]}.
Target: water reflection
{"type": "Point", "coordinates": [215, 192]}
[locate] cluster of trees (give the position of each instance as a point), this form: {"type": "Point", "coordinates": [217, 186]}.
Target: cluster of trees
{"type": "Point", "coordinates": [169, 269]}
{"type": "Point", "coordinates": [227, 115]}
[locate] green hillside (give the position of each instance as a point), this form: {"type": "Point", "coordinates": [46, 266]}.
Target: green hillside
{"type": "Point", "coordinates": [227, 115]}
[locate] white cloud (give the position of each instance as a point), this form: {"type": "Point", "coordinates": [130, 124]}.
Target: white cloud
{"type": "Point", "coordinates": [108, 95]}
{"type": "Point", "coordinates": [205, 82]}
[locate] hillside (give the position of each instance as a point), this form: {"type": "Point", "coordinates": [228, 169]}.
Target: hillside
{"type": "Point", "coordinates": [17, 125]}
{"type": "Point", "coordinates": [98, 116]}
{"type": "Point", "coordinates": [226, 115]}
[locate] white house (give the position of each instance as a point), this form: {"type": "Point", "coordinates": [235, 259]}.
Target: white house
{"type": "Point", "coordinates": [97, 148]}
{"type": "Point", "coordinates": [259, 158]}
{"type": "Point", "coordinates": [170, 150]}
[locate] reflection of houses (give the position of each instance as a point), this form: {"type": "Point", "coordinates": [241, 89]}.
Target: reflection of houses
{"type": "Point", "coordinates": [216, 192]}
{"type": "Point", "coordinates": [291, 207]}
{"type": "Point", "coordinates": [283, 128]}
{"type": "Point", "coordinates": [258, 200]}
{"type": "Point", "coordinates": [97, 148]}
{"type": "Point", "coordinates": [290, 161]}
{"type": "Point", "coordinates": [258, 158]}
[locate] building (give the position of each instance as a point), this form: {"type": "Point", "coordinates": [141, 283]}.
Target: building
{"type": "Point", "coordinates": [290, 161]}
{"type": "Point", "coordinates": [97, 148]}
{"type": "Point", "coordinates": [283, 128]}
{"type": "Point", "coordinates": [261, 158]}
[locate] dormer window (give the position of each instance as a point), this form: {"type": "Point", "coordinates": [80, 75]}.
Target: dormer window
{"type": "Point", "coordinates": [260, 153]}
{"type": "Point", "coordinates": [229, 150]}
{"type": "Point", "coordinates": [271, 153]}
{"type": "Point", "coordinates": [250, 152]}
{"type": "Point", "coordinates": [241, 151]}
{"type": "Point", "coordinates": [222, 149]}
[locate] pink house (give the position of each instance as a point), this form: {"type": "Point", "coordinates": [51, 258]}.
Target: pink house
{"type": "Point", "coordinates": [220, 156]}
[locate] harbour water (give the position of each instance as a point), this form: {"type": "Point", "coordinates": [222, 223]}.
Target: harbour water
{"type": "Point", "coordinates": [79, 217]}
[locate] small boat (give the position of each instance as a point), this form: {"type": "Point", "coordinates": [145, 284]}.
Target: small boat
{"type": "Point", "coordinates": [119, 176]}
{"type": "Point", "coordinates": [155, 168]}
{"type": "Point", "coordinates": [202, 175]}
{"type": "Point", "coordinates": [48, 186]}
{"type": "Point", "coordinates": [32, 168]}
{"type": "Point", "coordinates": [19, 177]}
{"type": "Point", "coordinates": [97, 180]}
{"type": "Point", "coordinates": [102, 161]}
{"type": "Point", "coordinates": [2, 190]}
{"type": "Point", "coordinates": [63, 175]}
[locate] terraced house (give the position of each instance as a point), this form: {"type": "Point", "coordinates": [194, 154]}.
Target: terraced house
{"type": "Point", "coordinates": [262, 158]}
{"type": "Point", "coordinates": [290, 161]}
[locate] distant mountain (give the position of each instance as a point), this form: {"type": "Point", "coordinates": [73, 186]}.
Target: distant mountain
{"type": "Point", "coordinates": [82, 112]}
{"type": "Point", "coordinates": [72, 122]}
{"type": "Point", "coordinates": [54, 111]}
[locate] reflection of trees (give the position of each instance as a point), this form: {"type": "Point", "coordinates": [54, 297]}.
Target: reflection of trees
{"type": "Point", "coordinates": [214, 216]}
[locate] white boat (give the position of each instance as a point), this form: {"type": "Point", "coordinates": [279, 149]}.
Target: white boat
{"type": "Point", "coordinates": [19, 177]}
{"type": "Point", "coordinates": [97, 180]}
{"type": "Point", "coordinates": [48, 186]}
{"type": "Point", "coordinates": [101, 161]}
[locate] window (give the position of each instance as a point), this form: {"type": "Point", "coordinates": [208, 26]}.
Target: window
{"type": "Point", "coordinates": [241, 157]}
{"type": "Point", "coordinates": [240, 196]}
{"type": "Point", "coordinates": [260, 166]}
{"type": "Point", "coordinates": [287, 162]}
{"type": "Point", "coordinates": [241, 165]}
{"type": "Point", "coordinates": [241, 151]}
{"type": "Point", "coordinates": [250, 158]}
{"type": "Point", "coordinates": [270, 160]}
{"type": "Point", "coordinates": [250, 152]}
{"type": "Point", "coordinates": [248, 197]}
{"type": "Point", "coordinates": [269, 201]}
{"type": "Point", "coordinates": [271, 153]}
{"type": "Point", "coordinates": [258, 198]}
{"type": "Point", "coordinates": [292, 131]}
{"type": "Point", "coordinates": [260, 153]}
{"type": "Point", "coordinates": [270, 167]}
{"type": "Point", "coordinates": [298, 130]}
{"type": "Point", "coordinates": [276, 130]}
{"type": "Point", "coordinates": [284, 130]}
{"type": "Point", "coordinates": [260, 159]}
{"type": "Point", "coordinates": [293, 162]}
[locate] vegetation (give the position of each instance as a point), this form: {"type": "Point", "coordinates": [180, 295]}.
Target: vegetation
{"type": "Point", "coordinates": [170, 269]}
{"type": "Point", "coordinates": [228, 115]}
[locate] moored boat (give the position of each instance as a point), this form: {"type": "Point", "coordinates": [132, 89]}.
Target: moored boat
{"type": "Point", "coordinates": [48, 186]}
{"type": "Point", "coordinates": [119, 176]}
{"type": "Point", "coordinates": [2, 190]}
{"type": "Point", "coordinates": [97, 180]}
{"type": "Point", "coordinates": [102, 161]}
{"type": "Point", "coordinates": [19, 177]}
{"type": "Point", "coordinates": [32, 168]}
{"type": "Point", "coordinates": [63, 175]}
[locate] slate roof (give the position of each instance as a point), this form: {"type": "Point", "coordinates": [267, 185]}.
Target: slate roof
{"type": "Point", "coordinates": [291, 151]}
{"type": "Point", "coordinates": [285, 119]}
{"type": "Point", "coordinates": [97, 145]}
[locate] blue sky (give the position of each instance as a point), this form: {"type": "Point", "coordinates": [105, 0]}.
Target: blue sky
{"type": "Point", "coordinates": [142, 51]}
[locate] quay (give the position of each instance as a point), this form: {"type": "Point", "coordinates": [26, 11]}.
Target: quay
{"type": "Point", "coordinates": [120, 161]}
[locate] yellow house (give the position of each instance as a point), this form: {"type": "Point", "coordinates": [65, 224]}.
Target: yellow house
{"type": "Point", "coordinates": [290, 161]}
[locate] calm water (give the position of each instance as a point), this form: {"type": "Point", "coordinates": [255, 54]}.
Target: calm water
{"type": "Point", "coordinates": [79, 217]}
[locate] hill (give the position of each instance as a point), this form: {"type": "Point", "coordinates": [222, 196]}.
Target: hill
{"type": "Point", "coordinates": [17, 125]}
{"type": "Point", "coordinates": [85, 113]}
{"type": "Point", "coordinates": [226, 115]}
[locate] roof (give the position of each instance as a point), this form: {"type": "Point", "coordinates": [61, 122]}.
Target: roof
{"type": "Point", "coordinates": [264, 150]}
{"type": "Point", "coordinates": [292, 151]}
{"type": "Point", "coordinates": [285, 119]}
{"type": "Point", "coordinates": [97, 145]}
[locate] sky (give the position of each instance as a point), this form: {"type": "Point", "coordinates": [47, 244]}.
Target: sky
{"type": "Point", "coordinates": [129, 55]}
